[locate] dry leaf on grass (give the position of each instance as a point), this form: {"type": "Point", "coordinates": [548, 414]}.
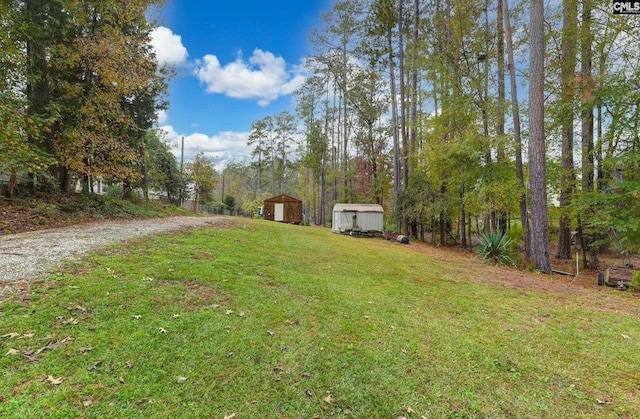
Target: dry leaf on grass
{"type": "Point", "coordinates": [12, 352]}
{"type": "Point", "coordinates": [10, 335]}
{"type": "Point", "coordinates": [231, 416]}
{"type": "Point", "coordinates": [54, 345]}
{"type": "Point", "coordinates": [129, 364]}
{"type": "Point", "coordinates": [94, 366]}
{"type": "Point", "coordinates": [328, 399]}
{"type": "Point", "coordinates": [181, 380]}
{"type": "Point", "coordinates": [53, 380]}
{"type": "Point", "coordinates": [87, 403]}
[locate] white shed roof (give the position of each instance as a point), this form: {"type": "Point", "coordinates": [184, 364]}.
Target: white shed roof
{"type": "Point", "coordinates": [358, 208]}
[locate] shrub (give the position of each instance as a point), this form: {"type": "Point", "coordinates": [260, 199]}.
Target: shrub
{"type": "Point", "coordinates": [496, 247]}
{"type": "Point", "coordinates": [635, 280]}
{"type": "Point", "coordinates": [516, 234]}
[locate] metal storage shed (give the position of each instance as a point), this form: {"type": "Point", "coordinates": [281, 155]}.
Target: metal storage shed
{"type": "Point", "coordinates": [364, 217]}
{"type": "Point", "coordinates": [284, 208]}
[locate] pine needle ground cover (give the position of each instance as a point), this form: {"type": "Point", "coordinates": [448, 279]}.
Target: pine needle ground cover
{"type": "Point", "coordinates": [263, 319]}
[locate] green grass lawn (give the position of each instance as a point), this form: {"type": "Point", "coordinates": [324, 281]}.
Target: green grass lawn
{"type": "Point", "coordinates": [265, 320]}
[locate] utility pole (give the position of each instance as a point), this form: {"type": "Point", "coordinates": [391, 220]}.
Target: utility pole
{"type": "Point", "coordinates": [182, 156]}
{"type": "Point", "coordinates": [222, 197]}
{"type": "Point", "coordinates": [182, 173]}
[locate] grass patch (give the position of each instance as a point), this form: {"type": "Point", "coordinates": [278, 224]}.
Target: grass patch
{"type": "Point", "coordinates": [270, 320]}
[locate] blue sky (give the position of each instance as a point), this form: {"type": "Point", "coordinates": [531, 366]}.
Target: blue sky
{"type": "Point", "coordinates": [236, 61]}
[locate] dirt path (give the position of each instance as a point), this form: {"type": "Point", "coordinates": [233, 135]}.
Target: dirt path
{"type": "Point", "coordinates": [28, 256]}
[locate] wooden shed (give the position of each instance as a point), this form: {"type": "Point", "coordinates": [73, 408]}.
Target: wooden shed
{"type": "Point", "coordinates": [284, 208]}
{"type": "Point", "coordinates": [362, 217]}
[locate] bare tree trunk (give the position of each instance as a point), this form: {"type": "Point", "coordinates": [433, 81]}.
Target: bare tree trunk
{"type": "Point", "coordinates": [414, 98]}
{"type": "Point", "coordinates": [588, 96]}
{"type": "Point", "coordinates": [143, 168]}
{"type": "Point", "coordinates": [569, 23]}
{"type": "Point", "coordinates": [394, 125]}
{"type": "Point", "coordinates": [501, 154]}
{"type": "Point", "coordinates": [524, 217]}
{"type": "Point", "coordinates": [484, 95]}
{"type": "Point", "coordinates": [537, 156]}
{"type": "Point", "coordinates": [462, 226]}
{"type": "Point", "coordinates": [443, 220]}
{"type": "Point", "coordinates": [403, 117]}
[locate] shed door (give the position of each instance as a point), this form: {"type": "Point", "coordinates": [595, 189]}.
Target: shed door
{"type": "Point", "coordinates": [278, 212]}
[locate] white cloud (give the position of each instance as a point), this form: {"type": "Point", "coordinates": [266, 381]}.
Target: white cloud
{"type": "Point", "coordinates": [219, 148]}
{"type": "Point", "coordinates": [168, 47]}
{"type": "Point", "coordinates": [264, 77]}
{"type": "Point", "coordinates": [162, 117]}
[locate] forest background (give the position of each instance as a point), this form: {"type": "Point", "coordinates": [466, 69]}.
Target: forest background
{"type": "Point", "coordinates": [458, 116]}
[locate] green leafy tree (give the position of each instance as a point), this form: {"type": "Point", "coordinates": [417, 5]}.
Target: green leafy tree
{"type": "Point", "coordinates": [285, 130]}
{"type": "Point", "coordinates": [229, 202]}
{"type": "Point", "coordinates": [204, 177]}
{"type": "Point", "coordinates": [163, 170]}
{"type": "Point", "coordinates": [91, 86]}
{"type": "Point", "coordinates": [259, 139]}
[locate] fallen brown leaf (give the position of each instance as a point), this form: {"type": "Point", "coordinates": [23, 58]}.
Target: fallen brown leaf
{"type": "Point", "coordinates": [53, 380]}
{"type": "Point", "coordinates": [87, 403]}
{"type": "Point", "coordinates": [182, 380]}
{"type": "Point", "coordinates": [94, 366]}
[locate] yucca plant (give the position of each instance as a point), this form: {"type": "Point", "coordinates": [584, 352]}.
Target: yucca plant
{"type": "Point", "coordinates": [495, 247]}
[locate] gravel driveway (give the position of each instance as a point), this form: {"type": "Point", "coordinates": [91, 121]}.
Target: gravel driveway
{"type": "Point", "coordinates": [27, 256]}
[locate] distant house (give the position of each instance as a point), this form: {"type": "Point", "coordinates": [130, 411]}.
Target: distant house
{"type": "Point", "coordinates": [362, 217]}
{"type": "Point", "coordinates": [284, 208]}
